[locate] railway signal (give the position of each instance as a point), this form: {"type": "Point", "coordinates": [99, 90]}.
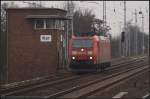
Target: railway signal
{"type": "Point", "coordinates": [143, 47]}
{"type": "Point", "coordinates": [122, 36]}
{"type": "Point", "coordinates": [123, 41]}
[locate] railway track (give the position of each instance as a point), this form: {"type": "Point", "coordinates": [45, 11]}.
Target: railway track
{"type": "Point", "coordinates": [55, 76]}
{"type": "Point", "coordinates": [38, 80]}
{"type": "Point", "coordinates": [147, 96]}
{"type": "Point", "coordinates": [123, 60]}
{"type": "Point", "coordinates": [80, 86]}
{"type": "Point", "coordinates": [17, 86]}
{"type": "Point", "coordinates": [91, 87]}
{"type": "Point", "coordinates": [33, 85]}
{"type": "Point", "coordinates": [18, 92]}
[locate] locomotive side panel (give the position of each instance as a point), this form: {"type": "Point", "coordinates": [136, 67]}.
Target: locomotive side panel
{"type": "Point", "coordinates": [102, 56]}
{"type": "Point", "coordinates": [104, 50]}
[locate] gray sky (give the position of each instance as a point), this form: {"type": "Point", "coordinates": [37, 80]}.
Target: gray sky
{"type": "Point", "coordinates": [114, 19]}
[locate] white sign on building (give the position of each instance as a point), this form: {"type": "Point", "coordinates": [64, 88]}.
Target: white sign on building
{"type": "Point", "coordinates": [45, 38]}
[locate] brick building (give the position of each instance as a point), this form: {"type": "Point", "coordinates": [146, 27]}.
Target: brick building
{"type": "Point", "coordinates": [35, 42]}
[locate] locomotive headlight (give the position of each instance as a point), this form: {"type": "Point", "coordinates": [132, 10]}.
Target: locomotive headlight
{"type": "Point", "coordinates": [74, 52]}
{"type": "Point", "coordinates": [82, 49]}
{"type": "Point", "coordinates": [73, 57]}
{"type": "Point", "coordinates": [89, 52]}
{"type": "Point", "coordinates": [91, 57]}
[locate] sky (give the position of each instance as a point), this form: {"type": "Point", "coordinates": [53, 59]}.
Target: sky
{"type": "Point", "coordinates": [115, 19]}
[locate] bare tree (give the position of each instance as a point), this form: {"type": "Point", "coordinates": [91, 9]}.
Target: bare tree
{"type": "Point", "coordinates": [4, 6]}
{"type": "Point", "coordinates": [83, 21]}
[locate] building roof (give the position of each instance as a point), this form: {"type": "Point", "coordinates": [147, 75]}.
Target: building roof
{"type": "Point", "coordinates": [28, 8]}
{"type": "Point", "coordinates": [46, 17]}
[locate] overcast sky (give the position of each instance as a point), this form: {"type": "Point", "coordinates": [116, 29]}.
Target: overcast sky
{"type": "Point", "coordinates": [114, 19]}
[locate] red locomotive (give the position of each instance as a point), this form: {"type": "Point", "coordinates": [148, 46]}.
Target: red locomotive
{"type": "Point", "coordinates": [89, 53]}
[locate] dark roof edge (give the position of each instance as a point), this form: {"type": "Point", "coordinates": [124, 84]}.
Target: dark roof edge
{"type": "Point", "coordinates": [47, 17]}
{"type": "Point", "coordinates": [27, 8]}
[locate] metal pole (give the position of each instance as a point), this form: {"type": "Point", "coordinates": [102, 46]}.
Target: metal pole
{"type": "Point", "coordinates": [67, 35]}
{"type": "Point", "coordinates": [136, 33]}
{"type": "Point", "coordinates": [148, 44]}
{"type": "Point", "coordinates": [120, 41]}
{"type": "Point", "coordinates": [125, 43]}
{"type": "Point", "coordinates": [69, 26]}
{"type": "Point", "coordinates": [72, 26]}
{"type": "Point", "coordinates": [129, 46]}
{"type": "Point", "coordinates": [143, 32]}
{"type": "Point", "coordinates": [40, 3]}
{"type": "Point", "coordinates": [103, 17]}
{"type": "Point", "coordinates": [72, 20]}
{"type": "Point", "coordinates": [143, 47]}
{"type": "Point", "coordinates": [105, 13]}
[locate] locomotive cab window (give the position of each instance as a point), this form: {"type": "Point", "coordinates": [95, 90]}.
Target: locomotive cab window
{"type": "Point", "coordinates": [82, 43]}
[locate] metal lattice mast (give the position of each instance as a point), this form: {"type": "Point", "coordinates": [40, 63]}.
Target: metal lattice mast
{"type": "Point", "coordinates": [69, 25]}
{"type": "Point", "coordinates": [70, 15]}
{"type": "Point", "coordinates": [67, 37]}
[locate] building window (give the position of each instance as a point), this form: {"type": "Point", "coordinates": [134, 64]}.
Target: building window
{"type": "Point", "coordinates": [39, 24]}
{"type": "Point", "coordinates": [62, 24]}
{"type": "Point", "coordinates": [49, 24]}
{"type": "Point", "coordinates": [57, 24]}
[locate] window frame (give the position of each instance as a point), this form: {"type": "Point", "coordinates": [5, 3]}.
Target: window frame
{"type": "Point", "coordinates": [82, 43]}
{"type": "Point", "coordinates": [54, 27]}
{"type": "Point", "coordinates": [35, 24]}
{"type": "Point", "coordinates": [58, 24]}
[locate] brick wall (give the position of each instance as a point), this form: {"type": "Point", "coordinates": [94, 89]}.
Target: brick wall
{"type": "Point", "coordinates": [27, 56]}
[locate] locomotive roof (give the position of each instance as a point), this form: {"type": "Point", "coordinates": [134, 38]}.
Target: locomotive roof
{"type": "Point", "coordinates": [47, 16]}
{"type": "Point", "coordinates": [82, 37]}
{"type": "Point", "coordinates": [102, 38]}
{"type": "Point", "coordinates": [90, 37]}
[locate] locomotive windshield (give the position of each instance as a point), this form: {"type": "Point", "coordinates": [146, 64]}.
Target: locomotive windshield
{"type": "Point", "coordinates": [82, 43]}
